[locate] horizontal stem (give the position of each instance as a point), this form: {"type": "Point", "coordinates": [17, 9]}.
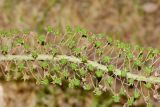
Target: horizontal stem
{"type": "Point", "coordinates": [117, 72]}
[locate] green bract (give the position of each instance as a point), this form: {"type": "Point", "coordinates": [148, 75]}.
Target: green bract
{"type": "Point", "coordinates": [74, 83]}
{"type": "Point", "coordinates": [136, 94]}
{"type": "Point", "coordinates": [116, 98]}
{"type": "Point", "coordinates": [106, 59]}
{"type": "Point", "coordinates": [109, 80]}
{"type": "Point", "coordinates": [44, 64]}
{"type": "Point", "coordinates": [4, 49]}
{"type": "Point", "coordinates": [57, 80]}
{"type": "Point", "coordinates": [56, 68]}
{"type": "Point", "coordinates": [21, 67]}
{"type": "Point", "coordinates": [124, 72]}
{"type": "Point", "coordinates": [73, 66]}
{"type": "Point", "coordinates": [148, 85]}
{"type": "Point", "coordinates": [41, 39]}
{"type": "Point", "coordinates": [97, 91]}
{"type": "Point", "coordinates": [99, 73]}
{"type": "Point", "coordinates": [130, 101]}
{"type": "Point", "coordinates": [98, 44]}
{"type": "Point", "coordinates": [50, 29]}
{"type": "Point", "coordinates": [34, 54]}
{"type": "Point", "coordinates": [45, 81]}
{"type": "Point", "coordinates": [148, 70]}
{"type": "Point", "coordinates": [20, 41]}
{"type": "Point", "coordinates": [63, 61]}
{"type": "Point", "coordinates": [111, 68]}
{"type": "Point", "coordinates": [82, 72]}
{"type": "Point", "coordinates": [86, 87]}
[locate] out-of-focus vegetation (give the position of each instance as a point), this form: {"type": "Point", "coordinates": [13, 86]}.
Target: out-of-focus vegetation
{"type": "Point", "coordinates": [136, 21]}
{"type": "Point", "coordinates": [133, 21]}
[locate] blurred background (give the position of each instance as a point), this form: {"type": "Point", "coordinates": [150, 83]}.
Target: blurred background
{"type": "Point", "coordinates": [133, 21]}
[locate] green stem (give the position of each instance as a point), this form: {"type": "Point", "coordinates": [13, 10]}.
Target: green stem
{"type": "Point", "coordinates": [117, 72]}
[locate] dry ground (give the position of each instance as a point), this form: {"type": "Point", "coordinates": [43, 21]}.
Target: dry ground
{"type": "Point", "coordinates": [134, 21]}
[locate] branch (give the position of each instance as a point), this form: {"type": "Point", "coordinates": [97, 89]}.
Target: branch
{"type": "Point", "coordinates": [117, 72]}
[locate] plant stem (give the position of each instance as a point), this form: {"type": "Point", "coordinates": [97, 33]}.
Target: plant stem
{"type": "Point", "coordinates": [117, 72]}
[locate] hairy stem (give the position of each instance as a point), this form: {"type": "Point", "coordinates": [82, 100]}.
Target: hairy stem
{"type": "Point", "coordinates": [117, 72]}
